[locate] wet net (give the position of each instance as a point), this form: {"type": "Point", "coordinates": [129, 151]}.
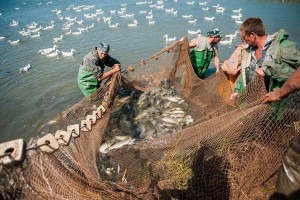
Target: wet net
{"type": "Point", "coordinates": [204, 145]}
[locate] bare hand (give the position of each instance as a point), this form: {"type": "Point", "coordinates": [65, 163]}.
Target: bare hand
{"type": "Point", "coordinates": [272, 96]}
{"type": "Point", "coordinates": [260, 72]}
{"type": "Point", "coordinates": [117, 68]}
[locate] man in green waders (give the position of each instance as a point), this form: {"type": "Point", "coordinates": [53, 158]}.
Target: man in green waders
{"type": "Point", "coordinates": [203, 50]}
{"type": "Point", "coordinates": [91, 71]}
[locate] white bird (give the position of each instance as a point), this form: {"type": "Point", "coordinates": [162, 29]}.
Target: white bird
{"type": "Point", "coordinates": [79, 22]}
{"type": "Point", "coordinates": [232, 35]}
{"type": "Point", "coordinates": [237, 11]}
{"type": "Point", "coordinates": [76, 33]}
{"type": "Point", "coordinates": [149, 16]}
{"type": "Point", "coordinates": [113, 25]}
{"type": "Point", "coordinates": [187, 16]}
{"type": "Point", "coordinates": [69, 32]}
{"type": "Point", "coordinates": [209, 18]}
{"type": "Point", "coordinates": [83, 29]}
{"type": "Point", "coordinates": [236, 16]}
{"type": "Point", "coordinates": [190, 2]}
{"type": "Point", "coordinates": [71, 53]}
{"type": "Point", "coordinates": [151, 22]}
{"type": "Point", "coordinates": [225, 42]}
{"type": "Point", "coordinates": [238, 21]}
{"type": "Point", "coordinates": [194, 32]}
{"type": "Point", "coordinates": [203, 3]}
{"type": "Point", "coordinates": [205, 8]}
{"type": "Point", "coordinates": [2, 37]}
{"type": "Point", "coordinates": [47, 50]}
{"type": "Point", "coordinates": [169, 10]}
{"type": "Point", "coordinates": [14, 23]}
{"type": "Point", "coordinates": [220, 9]}
{"type": "Point", "coordinates": [192, 21]}
{"type": "Point", "coordinates": [169, 39]}
{"type": "Point", "coordinates": [216, 6]}
{"type": "Point", "coordinates": [13, 42]}
{"type": "Point", "coordinates": [53, 54]}
{"type": "Point", "coordinates": [24, 69]}
{"type": "Point", "coordinates": [58, 39]}
{"type": "Point", "coordinates": [36, 35]}
{"type": "Point", "coordinates": [134, 24]}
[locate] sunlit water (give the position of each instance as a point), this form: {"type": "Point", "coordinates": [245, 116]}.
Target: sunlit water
{"type": "Point", "coordinates": [30, 99]}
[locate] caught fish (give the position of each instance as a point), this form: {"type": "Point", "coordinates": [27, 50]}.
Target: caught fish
{"type": "Point", "coordinates": [122, 137]}
{"type": "Point", "coordinates": [169, 120]}
{"type": "Point", "coordinates": [104, 148]}
{"type": "Point", "coordinates": [118, 145]}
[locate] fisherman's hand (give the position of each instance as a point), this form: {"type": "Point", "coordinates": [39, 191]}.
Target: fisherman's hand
{"type": "Point", "coordinates": [117, 68]}
{"type": "Point", "coordinates": [272, 96]}
{"type": "Point", "coordinates": [217, 70]}
{"type": "Point", "coordinates": [260, 72]}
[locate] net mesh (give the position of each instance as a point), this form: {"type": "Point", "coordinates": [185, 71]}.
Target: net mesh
{"type": "Point", "coordinates": [232, 150]}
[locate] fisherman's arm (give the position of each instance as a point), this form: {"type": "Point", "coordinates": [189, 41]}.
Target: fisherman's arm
{"type": "Point", "coordinates": [115, 68]}
{"type": "Point", "coordinates": [291, 85]}
{"type": "Point", "coordinates": [217, 60]}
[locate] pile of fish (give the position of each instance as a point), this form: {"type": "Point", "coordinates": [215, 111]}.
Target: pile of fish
{"type": "Point", "coordinates": [145, 116]}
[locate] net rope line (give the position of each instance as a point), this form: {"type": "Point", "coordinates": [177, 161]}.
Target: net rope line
{"type": "Point", "coordinates": [208, 159]}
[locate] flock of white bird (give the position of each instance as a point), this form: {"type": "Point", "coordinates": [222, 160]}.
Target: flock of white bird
{"type": "Point", "coordinates": [34, 30]}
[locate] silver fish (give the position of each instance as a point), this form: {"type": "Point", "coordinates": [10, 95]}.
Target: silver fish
{"type": "Point", "coordinates": [104, 148]}
{"type": "Point", "coordinates": [118, 145]}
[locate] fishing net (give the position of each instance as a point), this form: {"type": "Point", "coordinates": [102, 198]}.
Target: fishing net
{"type": "Point", "coordinates": [230, 150]}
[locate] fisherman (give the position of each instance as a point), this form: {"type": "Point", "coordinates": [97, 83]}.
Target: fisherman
{"type": "Point", "coordinates": [203, 50]}
{"type": "Point", "coordinates": [273, 57]}
{"type": "Point", "coordinates": [91, 71]}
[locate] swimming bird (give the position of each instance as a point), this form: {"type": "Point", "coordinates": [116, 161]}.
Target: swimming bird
{"type": "Point", "coordinates": [190, 2]}
{"type": "Point", "coordinates": [58, 39]}
{"type": "Point", "coordinates": [216, 6]}
{"type": "Point", "coordinates": [134, 24]}
{"type": "Point", "coordinates": [169, 39]}
{"type": "Point", "coordinates": [113, 25]}
{"type": "Point", "coordinates": [53, 54]}
{"type": "Point", "coordinates": [47, 50]}
{"type": "Point", "coordinates": [151, 22]}
{"type": "Point", "coordinates": [203, 3]}
{"type": "Point", "coordinates": [220, 9]}
{"type": "Point", "coordinates": [36, 35]}
{"type": "Point", "coordinates": [192, 21]}
{"type": "Point", "coordinates": [149, 16]}
{"type": "Point", "coordinates": [238, 21]}
{"type": "Point", "coordinates": [237, 11]}
{"type": "Point", "coordinates": [71, 53]}
{"type": "Point", "coordinates": [194, 32]}
{"type": "Point", "coordinates": [209, 18]}
{"type": "Point", "coordinates": [187, 16]}
{"type": "Point", "coordinates": [2, 37]}
{"type": "Point", "coordinates": [14, 23]}
{"type": "Point", "coordinates": [69, 32]}
{"type": "Point", "coordinates": [76, 33]}
{"type": "Point", "coordinates": [24, 69]}
{"type": "Point", "coordinates": [225, 42]}
{"type": "Point", "coordinates": [236, 16]}
{"type": "Point", "coordinates": [15, 42]}
{"type": "Point", "coordinates": [232, 35]}
{"type": "Point", "coordinates": [205, 8]}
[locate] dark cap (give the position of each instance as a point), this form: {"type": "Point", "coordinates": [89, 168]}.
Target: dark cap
{"type": "Point", "coordinates": [214, 33]}
{"type": "Point", "coordinates": [103, 47]}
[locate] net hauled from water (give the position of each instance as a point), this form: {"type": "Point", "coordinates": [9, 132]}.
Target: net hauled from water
{"type": "Point", "coordinates": [231, 150]}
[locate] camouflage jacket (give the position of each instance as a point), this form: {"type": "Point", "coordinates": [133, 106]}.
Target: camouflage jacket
{"type": "Point", "coordinates": [283, 59]}
{"type": "Point", "coordinates": [95, 65]}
